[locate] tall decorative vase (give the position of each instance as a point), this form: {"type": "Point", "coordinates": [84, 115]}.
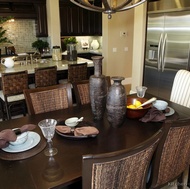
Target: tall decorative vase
{"type": "Point", "coordinates": [116, 102]}
{"type": "Point", "coordinates": [98, 90]}
{"type": "Point", "coordinates": [71, 52]}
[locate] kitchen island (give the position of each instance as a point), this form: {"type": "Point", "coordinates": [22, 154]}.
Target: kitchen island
{"type": "Point", "coordinates": [62, 67]}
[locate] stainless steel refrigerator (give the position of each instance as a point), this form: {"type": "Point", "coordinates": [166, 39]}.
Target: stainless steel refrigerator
{"type": "Point", "coordinates": [167, 50]}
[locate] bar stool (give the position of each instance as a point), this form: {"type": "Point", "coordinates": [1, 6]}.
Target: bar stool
{"type": "Point", "coordinates": [76, 72]}
{"type": "Point", "coordinates": [45, 76]}
{"type": "Point", "coordinates": [12, 95]}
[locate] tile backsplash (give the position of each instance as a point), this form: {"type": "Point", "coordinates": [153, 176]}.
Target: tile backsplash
{"type": "Point", "coordinates": [22, 33]}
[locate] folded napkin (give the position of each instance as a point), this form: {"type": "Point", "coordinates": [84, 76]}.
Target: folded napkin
{"type": "Point", "coordinates": [6, 136]}
{"type": "Point", "coordinates": [153, 115]}
{"type": "Point", "coordinates": [79, 131]}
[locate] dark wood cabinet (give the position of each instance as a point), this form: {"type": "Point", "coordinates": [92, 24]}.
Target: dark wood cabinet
{"type": "Point", "coordinates": [22, 9]}
{"type": "Point", "coordinates": [87, 55]}
{"type": "Point", "coordinates": [78, 21]}
{"type": "Point", "coordinates": [41, 21]}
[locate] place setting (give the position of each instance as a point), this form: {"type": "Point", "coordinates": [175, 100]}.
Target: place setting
{"type": "Point", "coordinates": [20, 143]}
{"type": "Point", "coordinates": [76, 128]}
{"type": "Point", "coordinates": [149, 110]}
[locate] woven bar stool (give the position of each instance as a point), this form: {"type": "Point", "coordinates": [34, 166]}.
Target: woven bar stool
{"type": "Point", "coordinates": [12, 95]}
{"type": "Point", "coordinates": [45, 76]}
{"type": "Point", "coordinates": [76, 72]}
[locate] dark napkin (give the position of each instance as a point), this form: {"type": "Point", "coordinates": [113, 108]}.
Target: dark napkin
{"type": "Point", "coordinates": [153, 115]}
{"type": "Point", "coordinates": [6, 136]}
{"type": "Point", "coordinates": [79, 131]}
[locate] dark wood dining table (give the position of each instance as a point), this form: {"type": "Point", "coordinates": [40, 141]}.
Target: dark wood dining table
{"type": "Point", "coordinates": [37, 171]}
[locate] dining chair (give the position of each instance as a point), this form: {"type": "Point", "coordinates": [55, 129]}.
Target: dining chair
{"type": "Point", "coordinates": [172, 156]}
{"type": "Point", "coordinates": [44, 76]}
{"type": "Point", "coordinates": [76, 72]}
{"type": "Point", "coordinates": [46, 99]}
{"type": "Point", "coordinates": [81, 90]}
{"type": "Point", "coordinates": [180, 93]}
{"type": "Point", "coordinates": [12, 95]}
{"type": "Point", "coordinates": [123, 169]}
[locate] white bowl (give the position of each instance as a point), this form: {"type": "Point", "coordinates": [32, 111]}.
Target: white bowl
{"type": "Point", "coordinates": [72, 122]}
{"type": "Point", "coordinates": [20, 139]}
{"type": "Point", "coordinates": [160, 104]}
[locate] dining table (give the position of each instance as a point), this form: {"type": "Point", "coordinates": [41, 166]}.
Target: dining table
{"type": "Point", "coordinates": [31, 169]}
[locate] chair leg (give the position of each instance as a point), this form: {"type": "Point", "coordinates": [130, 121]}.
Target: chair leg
{"type": "Point", "coordinates": [8, 111]}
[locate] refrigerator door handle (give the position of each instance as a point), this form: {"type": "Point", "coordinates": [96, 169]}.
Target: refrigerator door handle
{"type": "Point", "coordinates": [163, 52]}
{"type": "Point", "coordinates": [159, 51]}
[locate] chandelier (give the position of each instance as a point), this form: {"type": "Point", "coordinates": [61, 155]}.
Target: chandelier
{"type": "Point", "coordinates": [109, 6]}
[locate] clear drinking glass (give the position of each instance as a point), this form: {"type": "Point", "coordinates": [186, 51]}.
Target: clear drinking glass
{"type": "Point", "coordinates": [141, 91]}
{"type": "Point", "coordinates": [47, 127]}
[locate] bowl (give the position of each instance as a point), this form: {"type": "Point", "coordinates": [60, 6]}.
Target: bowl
{"type": "Point", "coordinates": [72, 122]}
{"type": "Point", "coordinates": [22, 138]}
{"type": "Point", "coordinates": [160, 104]}
{"type": "Point", "coordinates": [137, 113]}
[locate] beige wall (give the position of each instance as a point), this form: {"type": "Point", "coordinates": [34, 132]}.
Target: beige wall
{"type": "Point", "coordinates": [128, 64]}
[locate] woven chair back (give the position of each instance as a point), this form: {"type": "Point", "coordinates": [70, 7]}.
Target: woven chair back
{"type": "Point", "coordinates": [46, 99]}
{"type": "Point", "coordinates": [45, 76]}
{"type": "Point", "coordinates": [77, 72]}
{"type": "Point", "coordinates": [172, 155]}
{"type": "Point", "coordinates": [124, 169]}
{"type": "Point", "coordinates": [14, 83]}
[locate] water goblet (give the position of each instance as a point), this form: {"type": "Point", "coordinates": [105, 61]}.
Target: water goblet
{"type": "Point", "coordinates": [141, 91]}
{"type": "Point", "coordinates": [47, 127]}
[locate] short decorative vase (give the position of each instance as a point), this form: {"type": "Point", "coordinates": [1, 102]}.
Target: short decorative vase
{"type": "Point", "coordinates": [95, 44]}
{"type": "Point", "coordinates": [98, 90]}
{"type": "Point", "coordinates": [71, 52]}
{"type": "Point", "coordinates": [116, 102]}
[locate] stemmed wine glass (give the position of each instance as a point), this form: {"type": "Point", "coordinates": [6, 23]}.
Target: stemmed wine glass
{"type": "Point", "coordinates": [47, 127]}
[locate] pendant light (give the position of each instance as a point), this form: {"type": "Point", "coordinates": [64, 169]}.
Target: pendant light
{"type": "Point", "coordinates": [108, 6]}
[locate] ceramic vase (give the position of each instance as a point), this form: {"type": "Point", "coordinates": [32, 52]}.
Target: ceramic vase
{"type": "Point", "coordinates": [98, 90]}
{"type": "Point", "coordinates": [71, 52]}
{"type": "Point", "coordinates": [116, 102]}
{"type": "Point", "coordinates": [95, 44]}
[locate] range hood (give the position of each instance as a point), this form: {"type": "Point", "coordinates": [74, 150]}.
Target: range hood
{"type": "Point", "coordinates": [19, 10]}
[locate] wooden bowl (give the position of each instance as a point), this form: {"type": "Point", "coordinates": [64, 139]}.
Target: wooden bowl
{"type": "Point", "coordinates": [137, 113]}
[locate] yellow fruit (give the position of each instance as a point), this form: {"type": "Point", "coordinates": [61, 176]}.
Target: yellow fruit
{"type": "Point", "coordinates": [137, 103]}
{"type": "Point", "coordinates": [131, 106]}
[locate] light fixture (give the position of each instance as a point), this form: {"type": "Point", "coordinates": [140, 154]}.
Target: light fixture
{"type": "Point", "coordinates": [109, 6]}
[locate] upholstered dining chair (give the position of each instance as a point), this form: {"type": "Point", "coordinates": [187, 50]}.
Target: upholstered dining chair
{"type": "Point", "coordinates": [76, 72]}
{"type": "Point", "coordinates": [12, 95]}
{"type": "Point", "coordinates": [172, 156]}
{"type": "Point", "coordinates": [44, 76]}
{"type": "Point", "coordinates": [180, 93]}
{"type": "Point", "coordinates": [81, 90]}
{"type": "Point", "coordinates": [46, 99]}
{"type": "Point", "coordinates": [123, 169]}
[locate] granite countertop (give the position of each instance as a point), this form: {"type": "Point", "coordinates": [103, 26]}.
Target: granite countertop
{"type": "Point", "coordinates": [61, 65]}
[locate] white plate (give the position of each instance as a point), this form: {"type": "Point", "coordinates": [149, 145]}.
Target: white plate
{"type": "Point", "coordinates": [32, 141]}
{"type": "Point", "coordinates": [171, 112]}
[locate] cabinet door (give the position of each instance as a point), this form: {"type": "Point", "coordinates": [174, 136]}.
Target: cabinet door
{"type": "Point", "coordinates": [41, 28]}
{"type": "Point", "coordinates": [65, 20]}
{"type": "Point", "coordinates": [78, 21]}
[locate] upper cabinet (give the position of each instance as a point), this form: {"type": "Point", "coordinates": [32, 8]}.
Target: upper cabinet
{"type": "Point", "coordinates": [30, 9]}
{"type": "Point", "coordinates": [76, 21]}
{"type": "Point", "coordinates": [41, 21]}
